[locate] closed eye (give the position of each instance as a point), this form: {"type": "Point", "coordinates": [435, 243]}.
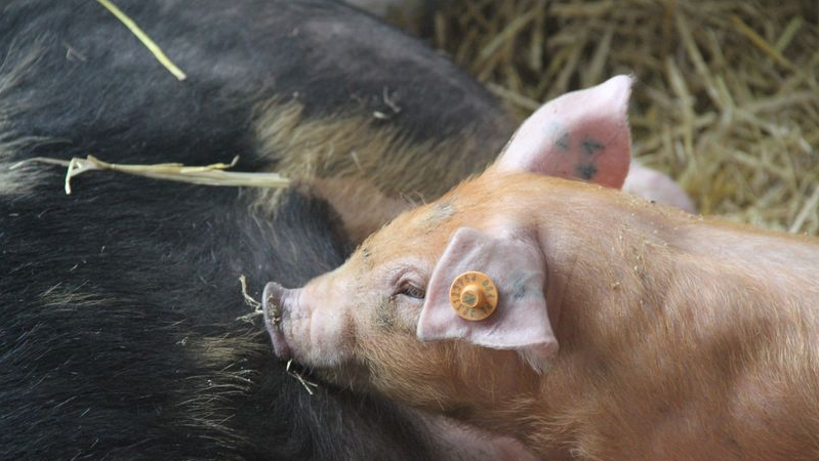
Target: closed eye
{"type": "Point", "coordinates": [411, 291]}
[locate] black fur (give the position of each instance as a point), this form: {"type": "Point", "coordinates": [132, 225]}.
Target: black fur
{"type": "Point", "coordinates": [96, 83]}
{"type": "Point", "coordinates": [119, 336]}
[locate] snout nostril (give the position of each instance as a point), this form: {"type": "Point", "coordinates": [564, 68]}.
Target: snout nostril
{"type": "Point", "coordinates": [272, 303]}
{"type": "Point", "coordinates": [274, 299]}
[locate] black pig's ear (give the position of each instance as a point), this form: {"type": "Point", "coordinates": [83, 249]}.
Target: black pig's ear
{"type": "Point", "coordinates": [581, 135]}
{"type": "Point", "coordinates": [518, 319]}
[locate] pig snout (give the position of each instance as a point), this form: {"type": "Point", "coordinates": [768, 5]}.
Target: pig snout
{"type": "Point", "coordinates": [305, 324]}
{"type": "Point", "coordinates": [276, 300]}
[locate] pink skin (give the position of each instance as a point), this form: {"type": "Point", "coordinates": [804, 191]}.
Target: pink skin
{"type": "Point", "coordinates": [581, 135]}
{"type": "Point", "coordinates": [656, 186]}
{"type": "Point", "coordinates": [305, 320]}
{"type": "Point", "coordinates": [584, 135]}
{"type": "Point", "coordinates": [576, 264]}
{"type": "Point", "coordinates": [470, 442]}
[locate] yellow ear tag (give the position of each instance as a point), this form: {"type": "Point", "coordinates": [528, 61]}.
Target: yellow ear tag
{"type": "Point", "coordinates": [473, 295]}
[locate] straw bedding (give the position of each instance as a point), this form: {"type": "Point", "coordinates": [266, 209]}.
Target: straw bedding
{"type": "Point", "coordinates": [726, 98]}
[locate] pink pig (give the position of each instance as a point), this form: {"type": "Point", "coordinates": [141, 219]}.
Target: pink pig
{"type": "Point", "coordinates": [622, 329]}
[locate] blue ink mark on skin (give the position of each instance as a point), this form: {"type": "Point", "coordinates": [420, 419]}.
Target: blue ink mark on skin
{"type": "Point", "coordinates": [562, 143]}
{"type": "Point", "coordinates": [441, 212]}
{"type": "Point", "coordinates": [591, 146]}
{"type": "Point", "coordinates": [587, 171]}
{"type": "Point", "coordinates": [519, 288]}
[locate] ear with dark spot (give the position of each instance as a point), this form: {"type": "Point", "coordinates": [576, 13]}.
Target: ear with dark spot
{"type": "Point", "coordinates": [581, 135]}
{"type": "Point", "coordinates": [517, 268]}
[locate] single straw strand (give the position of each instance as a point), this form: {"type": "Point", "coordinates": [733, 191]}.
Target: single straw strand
{"type": "Point", "coordinates": [760, 42]}
{"type": "Point", "coordinates": [208, 175]}
{"type": "Point", "coordinates": [145, 39]}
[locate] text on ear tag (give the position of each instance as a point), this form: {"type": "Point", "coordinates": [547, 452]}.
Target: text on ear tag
{"type": "Point", "coordinates": [473, 295]}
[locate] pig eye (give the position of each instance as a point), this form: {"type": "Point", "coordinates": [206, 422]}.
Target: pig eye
{"type": "Point", "coordinates": [411, 291]}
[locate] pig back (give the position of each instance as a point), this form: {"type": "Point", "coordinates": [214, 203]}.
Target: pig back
{"type": "Point", "coordinates": [120, 302]}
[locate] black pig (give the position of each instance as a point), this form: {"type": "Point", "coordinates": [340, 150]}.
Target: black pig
{"type": "Point", "coordinates": [119, 337]}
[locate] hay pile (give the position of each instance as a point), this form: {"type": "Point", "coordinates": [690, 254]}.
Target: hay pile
{"type": "Point", "coordinates": [726, 97]}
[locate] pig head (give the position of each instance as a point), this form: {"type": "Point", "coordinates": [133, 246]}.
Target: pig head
{"type": "Point", "coordinates": [384, 319]}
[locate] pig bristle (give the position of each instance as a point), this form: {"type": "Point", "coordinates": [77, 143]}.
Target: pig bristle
{"type": "Point", "coordinates": [333, 157]}
{"type": "Point", "coordinates": [536, 361]}
{"type": "Point", "coordinates": [24, 177]}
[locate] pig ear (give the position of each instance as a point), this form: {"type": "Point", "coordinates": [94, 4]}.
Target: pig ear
{"type": "Point", "coordinates": [581, 135]}
{"type": "Point", "coordinates": [520, 321]}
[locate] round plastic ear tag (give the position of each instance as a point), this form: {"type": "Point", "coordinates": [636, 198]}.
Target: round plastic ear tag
{"type": "Point", "coordinates": [473, 295]}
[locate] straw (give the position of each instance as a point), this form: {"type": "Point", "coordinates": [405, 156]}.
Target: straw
{"type": "Point", "coordinates": [145, 39]}
{"type": "Point", "coordinates": [209, 175]}
{"type": "Point", "coordinates": [726, 98]}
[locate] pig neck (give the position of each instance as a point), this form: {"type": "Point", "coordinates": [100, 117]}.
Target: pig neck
{"type": "Point", "coordinates": [667, 326]}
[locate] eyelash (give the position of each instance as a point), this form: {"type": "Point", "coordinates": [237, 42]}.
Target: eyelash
{"type": "Point", "coordinates": [411, 291]}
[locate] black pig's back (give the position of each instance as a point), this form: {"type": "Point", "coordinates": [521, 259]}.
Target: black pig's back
{"type": "Point", "coordinates": [119, 337]}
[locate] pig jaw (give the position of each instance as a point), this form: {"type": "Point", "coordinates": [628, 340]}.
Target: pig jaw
{"type": "Point", "coordinates": [456, 379]}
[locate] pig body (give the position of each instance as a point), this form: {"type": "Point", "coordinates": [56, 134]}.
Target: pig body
{"type": "Point", "coordinates": [678, 337]}
{"type": "Point", "coordinates": [119, 336]}
{"type": "Point", "coordinates": [625, 330]}
{"type": "Point", "coordinates": [331, 98]}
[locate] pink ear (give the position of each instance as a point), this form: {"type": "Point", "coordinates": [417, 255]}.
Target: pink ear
{"type": "Point", "coordinates": [520, 321]}
{"type": "Point", "coordinates": [654, 185]}
{"type": "Point", "coordinates": [581, 135]}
